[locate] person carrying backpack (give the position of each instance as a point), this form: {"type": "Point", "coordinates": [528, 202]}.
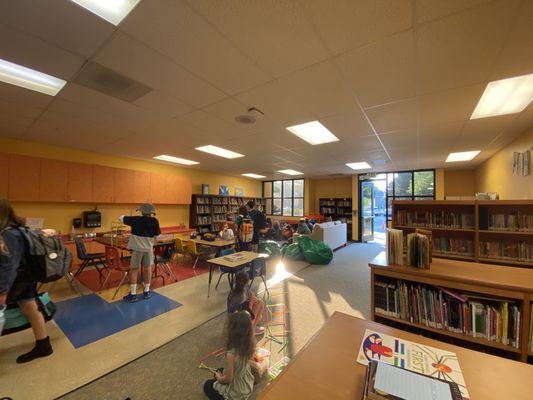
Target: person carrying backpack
{"type": "Point", "coordinates": [259, 223]}
{"type": "Point", "coordinates": [243, 232]}
{"type": "Point", "coordinates": [13, 285]}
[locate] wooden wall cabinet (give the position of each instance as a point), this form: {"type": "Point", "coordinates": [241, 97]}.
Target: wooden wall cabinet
{"type": "Point", "coordinates": [4, 175]}
{"type": "Point", "coordinates": [24, 174]}
{"type": "Point", "coordinates": [124, 185]}
{"type": "Point", "coordinates": [158, 192]}
{"type": "Point", "coordinates": [80, 182]}
{"type": "Point", "coordinates": [103, 184]}
{"type": "Point", "coordinates": [184, 190]}
{"type": "Point", "coordinates": [141, 187]}
{"type": "Point", "coordinates": [53, 180]}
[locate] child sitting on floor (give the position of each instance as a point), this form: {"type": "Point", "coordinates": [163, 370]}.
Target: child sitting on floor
{"type": "Point", "coordinates": [236, 381]}
{"type": "Point", "coordinates": [242, 298]}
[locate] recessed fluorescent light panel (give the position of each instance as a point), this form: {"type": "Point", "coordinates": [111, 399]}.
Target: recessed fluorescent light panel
{"type": "Point", "coordinates": [219, 151]}
{"type": "Point", "coordinates": [506, 96]}
{"type": "Point", "coordinates": [313, 132]}
{"type": "Point", "coordinates": [250, 175]}
{"type": "Point", "coordinates": [112, 11]}
{"type": "Point", "coordinates": [359, 165]}
{"type": "Point", "coordinates": [462, 156]}
{"type": "Point", "coordinates": [175, 160]}
{"type": "Point", "coordinates": [290, 172]}
{"type": "Point", "coordinates": [30, 79]}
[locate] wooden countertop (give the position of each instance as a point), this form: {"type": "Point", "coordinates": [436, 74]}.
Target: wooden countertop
{"type": "Point", "coordinates": [248, 256]}
{"type": "Point", "coordinates": [489, 275]}
{"type": "Point", "coordinates": [326, 368]}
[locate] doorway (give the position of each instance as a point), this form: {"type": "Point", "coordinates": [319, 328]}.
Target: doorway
{"type": "Point", "coordinates": [373, 206]}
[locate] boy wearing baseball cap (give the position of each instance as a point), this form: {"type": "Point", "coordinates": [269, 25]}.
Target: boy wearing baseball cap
{"type": "Point", "coordinates": [144, 228]}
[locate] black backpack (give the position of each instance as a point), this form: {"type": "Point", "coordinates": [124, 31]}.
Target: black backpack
{"type": "Point", "coordinates": [46, 258]}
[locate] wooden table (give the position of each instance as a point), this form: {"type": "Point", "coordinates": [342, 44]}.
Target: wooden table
{"type": "Point", "coordinates": [121, 242]}
{"type": "Point", "coordinates": [326, 368]}
{"type": "Point", "coordinates": [219, 244]}
{"type": "Point", "coordinates": [223, 262]}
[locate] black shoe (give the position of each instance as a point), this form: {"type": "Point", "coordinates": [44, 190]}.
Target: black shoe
{"type": "Point", "coordinates": [42, 348]}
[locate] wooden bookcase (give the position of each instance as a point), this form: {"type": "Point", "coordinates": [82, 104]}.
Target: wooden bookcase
{"type": "Point", "coordinates": [338, 209]}
{"type": "Point", "coordinates": [486, 280]}
{"type": "Point", "coordinates": [478, 229]}
{"type": "Point", "coordinates": [209, 211]}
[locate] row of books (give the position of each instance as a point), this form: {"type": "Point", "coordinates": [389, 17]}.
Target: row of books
{"type": "Point", "coordinates": [219, 209]}
{"type": "Point", "coordinates": [327, 202]}
{"type": "Point", "coordinates": [203, 220]}
{"type": "Point", "coordinates": [493, 319]}
{"type": "Point", "coordinates": [427, 219]}
{"type": "Point", "coordinates": [511, 222]}
{"type": "Point", "coordinates": [517, 251]}
{"type": "Point", "coordinates": [531, 332]}
{"type": "Point", "coordinates": [219, 200]}
{"type": "Point", "coordinates": [203, 209]}
{"type": "Point", "coordinates": [344, 203]}
{"type": "Point", "coordinates": [418, 251]}
{"type": "Point", "coordinates": [448, 245]}
{"type": "Point", "coordinates": [327, 210]}
{"type": "Point", "coordinates": [202, 200]}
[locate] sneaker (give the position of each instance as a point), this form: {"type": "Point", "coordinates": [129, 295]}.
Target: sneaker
{"type": "Point", "coordinates": [42, 348]}
{"type": "Point", "coordinates": [147, 295]}
{"type": "Point", "coordinates": [259, 330]}
{"type": "Point", "coordinates": [130, 298]}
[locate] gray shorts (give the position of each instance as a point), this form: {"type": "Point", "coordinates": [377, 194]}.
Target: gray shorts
{"type": "Point", "coordinates": [141, 259]}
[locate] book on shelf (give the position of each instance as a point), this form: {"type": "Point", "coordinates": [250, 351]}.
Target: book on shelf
{"type": "Point", "coordinates": [427, 219]}
{"type": "Point", "coordinates": [394, 245]}
{"type": "Point", "coordinates": [491, 318]}
{"type": "Point", "coordinates": [531, 332]}
{"type": "Point", "coordinates": [418, 251]}
{"type": "Point", "coordinates": [511, 222]}
{"type": "Point", "coordinates": [447, 245]}
{"type": "Point", "coordinates": [514, 251]}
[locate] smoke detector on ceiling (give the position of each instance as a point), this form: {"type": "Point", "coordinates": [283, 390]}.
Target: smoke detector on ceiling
{"type": "Point", "coordinates": [253, 115]}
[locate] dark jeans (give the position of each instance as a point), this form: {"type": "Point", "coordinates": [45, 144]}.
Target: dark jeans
{"type": "Point", "coordinates": [210, 392]}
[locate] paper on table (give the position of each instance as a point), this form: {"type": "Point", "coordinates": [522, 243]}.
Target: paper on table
{"type": "Point", "coordinates": [408, 385]}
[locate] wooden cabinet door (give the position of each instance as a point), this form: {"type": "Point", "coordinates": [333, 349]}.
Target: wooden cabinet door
{"type": "Point", "coordinates": [24, 174]}
{"type": "Point", "coordinates": [141, 187]}
{"type": "Point", "coordinates": [124, 186]}
{"type": "Point", "coordinates": [4, 175]}
{"type": "Point", "coordinates": [172, 188]}
{"type": "Point", "coordinates": [158, 188]}
{"type": "Point", "coordinates": [53, 180]}
{"type": "Point", "coordinates": [80, 182]}
{"type": "Point", "coordinates": [103, 184]}
{"type": "Point", "coordinates": [184, 190]}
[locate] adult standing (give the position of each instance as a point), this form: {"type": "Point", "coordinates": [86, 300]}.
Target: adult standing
{"type": "Point", "coordinates": [144, 229]}
{"type": "Point", "coordinates": [14, 287]}
{"type": "Point", "coordinates": [259, 222]}
{"type": "Point", "coordinates": [243, 213]}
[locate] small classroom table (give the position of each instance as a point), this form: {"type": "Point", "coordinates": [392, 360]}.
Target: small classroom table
{"type": "Point", "coordinates": [121, 243]}
{"type": "Point", "coordinates": [223, 262]}
{"type": "Point", "coordinates": [218, 244]}
{"type": "Point", "coordinates": [326, 367]}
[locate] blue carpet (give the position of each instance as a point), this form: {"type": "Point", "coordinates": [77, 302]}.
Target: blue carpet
{"type": "Point", "coordinates": [89, 318]}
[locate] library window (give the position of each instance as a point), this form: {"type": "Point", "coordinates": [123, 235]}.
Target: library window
{"type": "Point", "coordinates": [284, 197]}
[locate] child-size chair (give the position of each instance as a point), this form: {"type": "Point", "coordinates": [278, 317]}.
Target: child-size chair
{"type": "Point", "coordinates": [192, 249]}
{"type": "Point", "coordinates": [114, 262]}
{"type": "Point", "coordinates": [227, 270]}
{"type": "Point", "coordinates": [258, 269]}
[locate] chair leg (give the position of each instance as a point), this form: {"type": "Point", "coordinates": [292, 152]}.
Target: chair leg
{"type": "Point", "coordinates": [264, 282]}
{"type": "Point", "coordinates": [81, 267]}
{"type": "Point", "coordinates": [195, 262]}
{"type": "Point", "coordinates": [219, 278]}
{"type": "Point", "coordinates": [119, 285]}
{"type": "Point", "coordinates": [105, 280]}
{"type": "Point", "coordinates": [170, 272]}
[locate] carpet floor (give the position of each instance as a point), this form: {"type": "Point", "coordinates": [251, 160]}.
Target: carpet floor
{"type": "Point", "coordinates": [311, 296]}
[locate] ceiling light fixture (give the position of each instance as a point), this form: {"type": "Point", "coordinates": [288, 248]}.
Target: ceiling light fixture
{"type": "Point", "coordinates": [30, 79]}
{"type": "Point", "coordinates": [219, 151]}
{"type": "Point", "coordinates": [290, 172]}
{"type": "Point", "coordinates": [112, 11]}
{"type": "Point", "coordinates": [462, 156]}
{"type": "Point", "coordinates": [359, 165]}
{"type": "Point", "coordinates": [251, 175]}
{"type": "Point", "coordinates": [313, 132]}
{"type": "Point", "coordinates": [506, 96]}
{"type": "Point", "coordinates": [175, 160]}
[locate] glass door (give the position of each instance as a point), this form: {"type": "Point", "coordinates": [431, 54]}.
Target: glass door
{"type": "Point", "coordinates": [366, 216]}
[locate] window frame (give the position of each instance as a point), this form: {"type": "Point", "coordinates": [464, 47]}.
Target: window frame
{"type": "Point", "coordinates": [269, 198]}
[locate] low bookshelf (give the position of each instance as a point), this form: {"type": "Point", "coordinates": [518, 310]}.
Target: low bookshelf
{"type": "Point", "coordinates": [338, 209]}
{"type": "Point", "coordinates": [440, 301]}
{"type": "Point", "coordinates": [495, 232]}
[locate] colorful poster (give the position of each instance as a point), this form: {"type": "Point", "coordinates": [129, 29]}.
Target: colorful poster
{"type": "Point", "coordinates": [412, 356]}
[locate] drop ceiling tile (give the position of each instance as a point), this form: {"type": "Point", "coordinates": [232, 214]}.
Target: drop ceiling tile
{"type": "Point", "coordinates": [21, 48]}
{"type": "Point", "coordinates": [347, 24]}
{"type": "Point", "coordinates": [450, 105]}
{"type": "Point", "coordinates": [394, 116]}
{"type": "Point", "coordinates": [383, 71]}
{"type": "Point", "coordinates": [405, 156]}
{"type": "Point", "coordinates": [179, 33]}
{"type": "Point", "coordinates": [399, 139]}
{"type": "Point", "coordinates": [14, 126]}
{"type": "Point", "coordinates": [11, 108]}
{"type": "Point", "coordinates": [427, 10]}
{"type": "Point", "coordinates": [160, 103]}
{"type": "Point", "coordinates": [516, 57]}
{"type": "Point", "coordinates": [255, 145]}
{"type": "Point", "coordinates": [462, 49]}
{"type": "Point", "coordinates": [441, 136]}
{"type": "Point", "coordinates": [348, 126]}
{"type": "Point", "coordinates": [320, 89]}
{"type": "Point", "coordinates": [156, 71]}
{"type": "Point", "coordinates": [61, 23]}
{"type": "Point", "coordinates": [487, 128]}
{"type": "Point", "coordinates": [268, 31]}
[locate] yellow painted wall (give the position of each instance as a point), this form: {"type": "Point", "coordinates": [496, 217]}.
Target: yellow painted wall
{"type": "Point", "coordinates": [332, 187]}
{"type": "Point", "coordinates": [439, 184]}
{"type": "Point", "coordinates": [496, 174]}
{"type": "Point", "coordinates": [459, 182]}
{"type": "Point", "coordinates": [59, 215]}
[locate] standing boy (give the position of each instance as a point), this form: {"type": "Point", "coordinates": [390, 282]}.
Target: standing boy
{"type": "Point", "coordinates": [144, 228]}
{"type": "Point", "coordinates": [259, 222]}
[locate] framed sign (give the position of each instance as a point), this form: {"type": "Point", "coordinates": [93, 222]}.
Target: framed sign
{"type": "Point", "coordinates": [239, 191]}
{"type": "Point", "coordinates": [205, 188]}
{"type": "Point", "coordinates": [223, 190]}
